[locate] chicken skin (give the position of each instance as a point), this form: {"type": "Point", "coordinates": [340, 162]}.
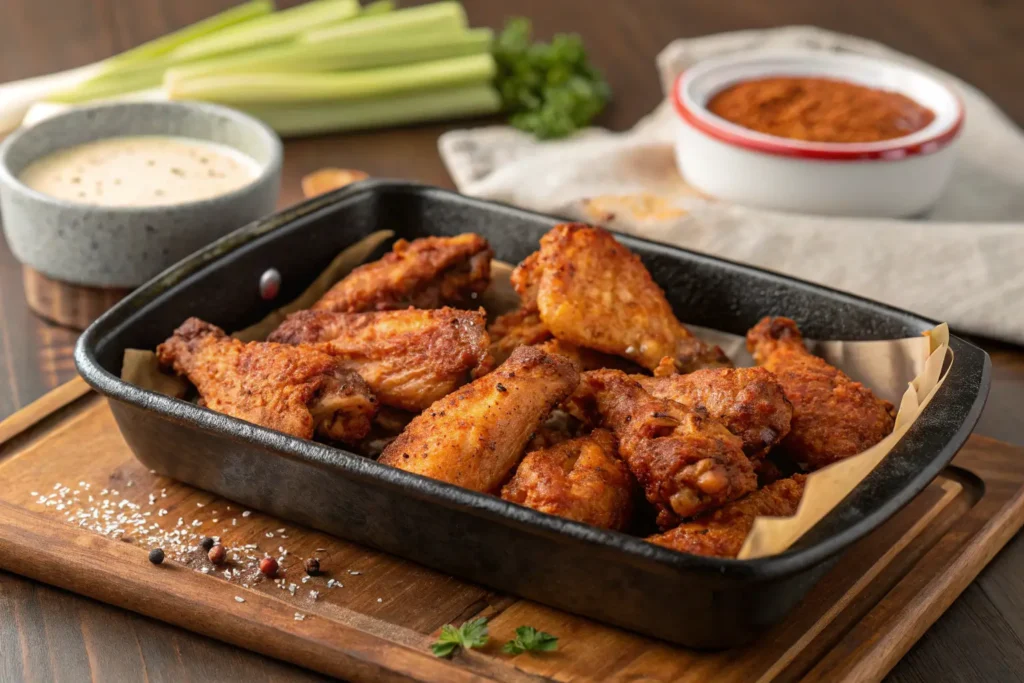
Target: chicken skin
{"type": "Point", "coordinates": [525, 279]}
{"type": "Point", "coordinates": [521, 327]}
{"type": "Point", "coordinates": [589, 359]}
{"type": "Point", "coordinates": [748, 401]}
{"type": "Point", "coordinates": [685, 462]}
{"type": "Point", "coordinates": [582, 479]}
{"type": "Point", "coordinates": [594, 292]}
{"type": "Point", "coordinates": [721, 533]}
{"type": "Point", "coordinates": [426, 273]}
{"type": "Point", "coordinates": [475, 436]}
{"type": "Point", "coordinates": [409, 358]}
{"type": "Point", "coordinates": [833, 416]}
{"type": "Point", "coordinates": [297, 390]}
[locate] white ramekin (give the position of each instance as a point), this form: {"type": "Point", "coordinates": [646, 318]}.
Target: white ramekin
{"type": "Point", "coordinates": [892, 178]}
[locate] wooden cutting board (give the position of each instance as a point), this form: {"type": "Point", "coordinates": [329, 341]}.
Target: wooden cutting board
{"type": "Point", "coordinates": [81, 513]}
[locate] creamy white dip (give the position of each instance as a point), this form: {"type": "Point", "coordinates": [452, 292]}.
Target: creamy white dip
{"type": "Point", "coordinates": [141, 171]}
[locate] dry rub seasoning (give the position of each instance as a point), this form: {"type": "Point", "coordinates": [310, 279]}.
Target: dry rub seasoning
{"type": "Point", "coordinates": [820, 110]}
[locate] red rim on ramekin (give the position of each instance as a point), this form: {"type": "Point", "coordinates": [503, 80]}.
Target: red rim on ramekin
{"type": "Point", "coordinates": [918, 143]}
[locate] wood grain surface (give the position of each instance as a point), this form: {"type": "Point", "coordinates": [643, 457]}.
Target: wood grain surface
{"type": "Point", "coordinates": [370, 616]}
{"type": "Point", "coordinates": [63, 637]}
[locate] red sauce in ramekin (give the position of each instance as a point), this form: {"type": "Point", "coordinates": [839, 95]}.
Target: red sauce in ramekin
{"type": "Point", "coordinates": [819, 110]}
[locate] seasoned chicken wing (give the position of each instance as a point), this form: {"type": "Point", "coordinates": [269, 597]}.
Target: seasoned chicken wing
{"type": "Point", "coordinates": [409, 358]}
{"type": "Point", "coordinates": [721, 533]}
{"type": "Point", "coordinates": [686, 463]}
{"type": "Point", "coordinates": [297, 390]}
{"type": "Point", "coordinates": [521, 327]}
{"type": "Point", "coordinates": [748, 401]}
{"type": "Point", "coordinates": [589, 359]}
{"type": "Point", "coordinates": [426, 273]}
{"type": "Point", "coordinates": [582, 479]}
{"type": "Point", "coordinates": [476, 435]}
{"type": "Point", "coordinates": [525, 279]}
{"type": "Point", "coordinates": [593, 292]}
{"type": "Point", "coordinates": [833, 416]}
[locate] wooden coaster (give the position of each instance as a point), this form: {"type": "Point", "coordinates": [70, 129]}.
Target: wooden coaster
{"type": "Point", "coordinates": [70, 305]}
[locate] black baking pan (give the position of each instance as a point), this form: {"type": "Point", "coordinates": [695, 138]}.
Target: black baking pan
{"type": "Point", "coordinates": [694, 601]}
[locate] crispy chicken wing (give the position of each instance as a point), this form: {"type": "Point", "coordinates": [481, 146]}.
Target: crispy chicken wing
{"type": "Point", "coordinates": [582, 479]}
{"type": "Point", "coordinates": [409, 358]}
{"type": "Point", "coordinates": [593, 292]}
{"type": "Point", "coordinates": [589, 359]}
{"type": "Point", "coordinates": [833, 416]}
{"type": "Point", "coordinates": [721, 533]}
{"type": "Point", "coordinates": [748, 401]}
{"type": "Point", "coordinates": [521, 327]}
{"type": "Point", "coordinates": [685, 462]}
{"type": "Point", "coordinates": [293, 389]}
{"type": "Point", "coordinates": [525, 280]}
{"type": "Point", "coordinates": [425, 273]}
{"type": "Point", "coordinates": [475, 436]}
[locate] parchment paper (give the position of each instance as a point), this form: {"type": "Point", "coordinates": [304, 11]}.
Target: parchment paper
{"type": "Point", "coordinates": [904, 371]}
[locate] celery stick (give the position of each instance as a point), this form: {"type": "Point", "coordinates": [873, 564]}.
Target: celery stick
{"type": "Point", "coordinates": [299, 86]}
{"type": "Point", "coordinates": [439, 16]}
{"type": "Point", "coordinates": [108, 85]}
{"type": "Point", "coordinates": [340, 55]}
{"type": "Point", "coordinates": [379, 7]}
{"type": "Point", "coordinates": [273, 28]}
{"type": "Point", "coordinates": [393, 110]}
{"type": "Point", "coordinates": [17, 97]}
{"type": "Point", "coordinates": [164, 44]}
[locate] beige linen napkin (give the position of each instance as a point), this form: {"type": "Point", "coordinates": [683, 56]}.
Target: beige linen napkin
{"type": "Point", "coordinates": [963, 263]}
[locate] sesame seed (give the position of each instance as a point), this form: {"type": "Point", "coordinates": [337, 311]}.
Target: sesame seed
{"type": "Point", "coordinates": [239, 598]}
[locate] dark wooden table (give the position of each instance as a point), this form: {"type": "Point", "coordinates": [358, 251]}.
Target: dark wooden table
{"type": "Point", "coordinates": [47, 634]}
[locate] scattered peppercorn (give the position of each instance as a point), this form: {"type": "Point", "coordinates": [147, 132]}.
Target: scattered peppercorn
{"type": "Point", "coordinates": [313, 566]}
{"type": "Point", "coordinates": [217, 554]}
{"type": "Point", "coordinates": [268, 566]}
{"type": "Point", "coordinates": [206, 543]}
{"type": "Point", "coordinates": [156, 555]}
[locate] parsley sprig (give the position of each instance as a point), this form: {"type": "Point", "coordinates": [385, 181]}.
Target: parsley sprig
{"type": "Point", "coordinates": [548, 89]}
{"type": "Point", "coordinates": [529, 639]}
{"type": "Point", "coordinates": [471, 634]}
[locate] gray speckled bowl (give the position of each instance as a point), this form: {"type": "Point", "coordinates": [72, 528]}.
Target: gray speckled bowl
{"type": "Point", "coordinates": [125, 246]}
